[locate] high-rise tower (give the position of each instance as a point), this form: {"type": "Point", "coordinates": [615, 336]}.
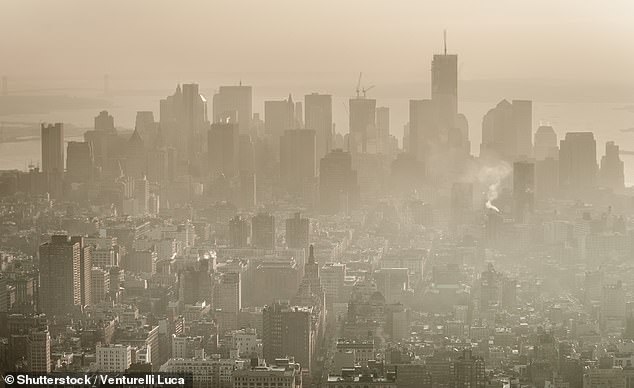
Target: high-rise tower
{"type": "Point", "coordinates": [60, 275]}
{"type": "Point", "coordinates": [318, 117]}
{"type": "Point", "coordinates": [444, 86]}
{"type": "Point", "coordinates": [53, 148]}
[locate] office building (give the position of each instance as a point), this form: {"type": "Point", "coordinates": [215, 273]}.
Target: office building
{"type": "Point", "coordinates": [383, 130]}
{"type": "Point", "coordinates": [113, 358]}
{"type": "Point", "coordinates": [268, 376]}
{"type": "Point", "coordinates": [469, 371]}
{"type": "Point", "coordinates": [338, 185]}
{"type": "Point", "coordinates": [263, 231]}
{"type": "Point", "coordinates": [279, 116]}
{"type": "Point", "coordinates": [60, 275]}
{"type": "Point", "coordinates": [297, 232]}
{"type": "Point", "coordinates": [362, 123]}
{"type": "Point", "coordinates": [183, 116]}
{"type": "Point", "coordinates": [53, 148]}
{"type": "Point", "coordinates": [100, 286]}
{"type": "Point", "coordinates": [223, 149]}
{"type": "Point", "coordinates": [79, 162]}
{"type": "Point", "coordinates": [578, 162]}
{"type": "Point", "coordinates": [39, 351]}
{"type": "Point", "coordinates": [157, 166]}
{"type": "Point", "coordinates": [234, 103]}
{"type": "Point", "coordinates": [288, 332]}
{"type": "Point", "coordinates": [239, 231]}
{"type": "Point", "coordinates": [318, 117]}
{"type": "Point", "coordinates": [85, 269]}
{"type": "Point", "coordinates": [444, 87]}
{"type": "Point", "coordinates": [546, 178]}
{"type": "Point", "coordinates": [333, 277]}
{"type": "Point", "coordinates": [424, 129]}
{"type": "Point", "coordinates": [187, 347]}
{"type": "Point", "coordinates": [507, 131]}
{"type": "Point", "coordinates": [611, 174]}
{"type": "Point", "coordinates": [523, 190]}
{"type": "Point", "coordinates": [613, 303]}
{"type": "Point", "coordinates": [227, 300]}
{"type": "Point", "coordinates": [104, 122]}
{"type": "Point", "coordinates": [246, 154]}
{"type": "Point", "coordinates": [545, 144]}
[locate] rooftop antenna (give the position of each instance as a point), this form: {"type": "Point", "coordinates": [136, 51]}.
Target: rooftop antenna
{"type": "Point", "coordinates": [445, 40]}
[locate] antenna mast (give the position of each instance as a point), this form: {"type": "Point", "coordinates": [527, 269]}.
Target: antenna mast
{"type": "Point", "coordinates": [445, 40]}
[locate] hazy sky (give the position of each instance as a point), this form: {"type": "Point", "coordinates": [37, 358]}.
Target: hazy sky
{"type": "Point", "coordinates": [572, 39]}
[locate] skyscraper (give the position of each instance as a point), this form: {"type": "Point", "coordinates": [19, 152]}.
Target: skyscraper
{"type": "Point", "coordinates": [297, 159]}
{"type": "Point", "coordinates": [438, 135]}
{"type": "Point", "coordinates": [287, 331]}
{"type": "Point", "coordinates": [338, 186]}
{"type": "Point", "coordinates": [246, 154]}
{"type": "Point", "coordinates": [297, 232]}
{"type": "Point", "coordinates": [444, 87]}
{"type": "Point", "coordinates": [547, 177]}
{"type": "Point", "coordinates": [545, 143]}
{"type": "Point", "coordinates": [383, 130]}
{"type": "Point", "coordinates": [228, 299]}
{"type": "Point", "coordinates": [79, 161]}
{"type": "Point", "coordinates": [53, 148]}
{"type": "Point", "coordinates": [507, 131]}
{"type": "Point", "coordinates": [611, 174]}
{"type": "Point", "coordinates": [523, 189]}
{"type": "Point", "coordinates": [362, 123]}
{"type": "Point", "coordinates": [234, 102]}
{"type": "Point", "coordinates": [194, 119]}
{"type": "Point", "coordinates": [104, 142]}
{"type": "Point", "coordinates": [60, 275]}
{"type": "Point", "coordinates": [39, 350]}
{"type": "Point", "coordinates": [183, 117]}
{"type": "Point", "coordinates": [263, 231]}
{"type": "Point", "coordinates": [85, 270]}
{"type": "Point", "coordinates": [424, 130]}
{"type": "Point", "coordinates": [104, 122]}
{"type": "Point", "coordinates": [523, 126]}
{"type": "Point", "coordinates": [279, 116]}
{"type": "Point", "coordinates": [469, 371]}
{"type": "Point", "coordinates": [318, 117]}
{"type": "Point", "coordinates": [223, 149]}
{"type": "Point", "coordinates": [238, 232]}
{"type": "Point", "coordinates": [578, 161]}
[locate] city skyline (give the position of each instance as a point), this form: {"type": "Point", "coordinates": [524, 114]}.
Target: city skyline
{"type": "Point", "coordinates": [358, 194]}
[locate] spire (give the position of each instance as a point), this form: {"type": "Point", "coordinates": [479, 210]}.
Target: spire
{"type": "Point", "coordinates": [445, 40]}
{"type": "Point", "coordinates": [311, 254]}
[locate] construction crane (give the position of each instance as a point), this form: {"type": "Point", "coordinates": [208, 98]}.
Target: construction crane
{"type": "Point", "coordinates": [361, 89]}
{"type": "Point", "coordinates": [367, 89]}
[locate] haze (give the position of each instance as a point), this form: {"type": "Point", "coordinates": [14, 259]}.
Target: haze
{"type": "Point", "coordinates": [165, 39]}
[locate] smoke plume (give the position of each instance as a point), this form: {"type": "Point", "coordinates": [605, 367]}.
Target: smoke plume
{"type": "Point", "coordinates": [492, 177]}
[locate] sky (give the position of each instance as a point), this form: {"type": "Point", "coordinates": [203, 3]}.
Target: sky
{"type": "Point", "coordinates": [590, 41]}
